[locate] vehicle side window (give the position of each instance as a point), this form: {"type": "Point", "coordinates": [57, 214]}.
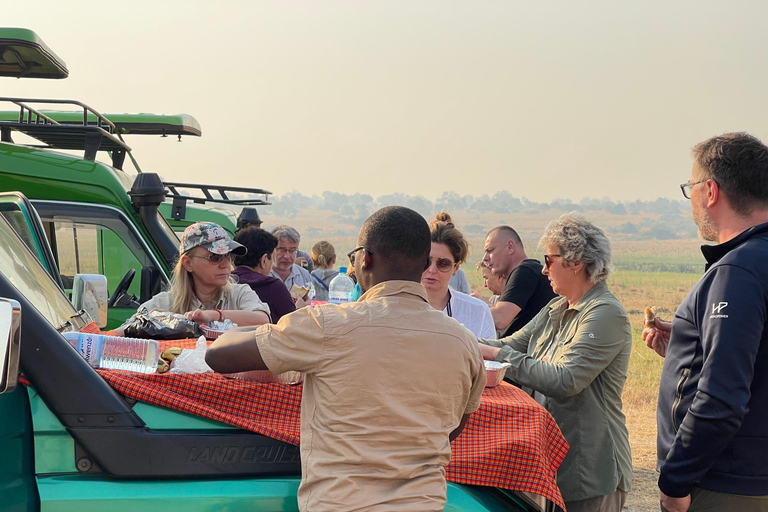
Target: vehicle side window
{"type": "Point", "coordinates": [77, 250]}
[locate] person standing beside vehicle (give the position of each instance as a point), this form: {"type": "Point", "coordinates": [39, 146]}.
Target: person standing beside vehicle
{"type": "Point", "coordinates": [712, 416]}
{"type": "Point", "coordinates": [389, 381]}
{"type": "Point", "coordinates": [284, 266]}
{"type": "Point", "coordinates": [201, 288]}
{"type": "Point", "coordinates": [253, 269]}
{"type": "Point", "coordinates": [526, 290]}
{"type": "Point", "coordinates": [573, 357]}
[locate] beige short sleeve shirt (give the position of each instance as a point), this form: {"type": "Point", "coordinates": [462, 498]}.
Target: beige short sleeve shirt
{"type": "Point", "coordinates": [388, 379]}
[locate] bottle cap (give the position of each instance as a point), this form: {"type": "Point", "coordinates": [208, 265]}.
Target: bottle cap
{"type": "Point", "coordinates": [343, 270]}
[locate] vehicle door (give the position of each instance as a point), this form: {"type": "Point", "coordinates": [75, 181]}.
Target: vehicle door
{"type": "Point", "coordinates": [101, 239]}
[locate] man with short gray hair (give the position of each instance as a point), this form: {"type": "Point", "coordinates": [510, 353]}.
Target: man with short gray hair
{"type": "Point", "coordinates": [712, 414]}
{"type": "Point", "coordinates": [284, 266]}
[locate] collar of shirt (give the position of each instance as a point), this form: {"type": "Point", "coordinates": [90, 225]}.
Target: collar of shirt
{"type": "Point", "coordinates": [294, 272]}
{"type": "Point", "coordinates": [712, 253]}
{"type": "Point", "coordinates": [389, 288]}
{"type": "Point", "coordinates": [562, 304]}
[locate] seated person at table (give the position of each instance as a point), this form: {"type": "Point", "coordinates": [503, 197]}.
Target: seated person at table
{"type": "Point", "coordinates": [253, 269]}
{"type": "Point", "coordinates": [323, 258]}
{"type": "Point", "coordinates": [284, 265]}
{"type": "Point", "coordinates": [573, 358]}
{"type": "Point", "coordinates": [368, 440]}
{"type": "Point", "coordinates": [201, 288]}
{"type": "Point", "coordinates": [449, 250]}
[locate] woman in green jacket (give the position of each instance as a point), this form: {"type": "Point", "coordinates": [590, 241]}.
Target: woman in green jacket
{"type": "Point", "coordinates": [573, 357]}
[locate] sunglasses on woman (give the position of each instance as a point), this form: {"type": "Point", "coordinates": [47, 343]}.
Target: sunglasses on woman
{"type": "Point", "coordinates": [213, 258]}
{"type": "Point", "coordinates": [442, 264]}
{"type": "Point", "coordinates": [549, 258]}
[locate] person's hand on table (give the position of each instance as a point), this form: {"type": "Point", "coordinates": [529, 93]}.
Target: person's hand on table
{"type": "Point", "coordinates": [202, 316]}
{"type": "Point", "coordinates": [656, 336]}
{"type": "Point", "coordinates": [671, 504]}
{"type": "Point", "coordinates": [489, 353]}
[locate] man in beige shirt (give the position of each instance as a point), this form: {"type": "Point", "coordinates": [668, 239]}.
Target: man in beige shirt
{"type": "Point", "coordinates": [389, 380]}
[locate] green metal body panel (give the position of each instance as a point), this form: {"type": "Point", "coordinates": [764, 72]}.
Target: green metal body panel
{"type": "Point", "coordinates": [18, 490]}
{"type": "Point", "coordinates": [24, 54]}
{"type": "Point", "coordinates": [126, 124]}
{"type": "Point", "coordinates": [43, 174]}
{"type": "Point", "coordinates": [201, 212]}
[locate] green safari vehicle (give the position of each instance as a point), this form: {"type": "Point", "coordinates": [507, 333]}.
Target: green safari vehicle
{"type": "Point", "coordinates": [70, 442]}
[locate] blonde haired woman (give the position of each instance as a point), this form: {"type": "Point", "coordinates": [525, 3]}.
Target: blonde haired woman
{"type": "Point", "coordinates": [201, 288]}
{"type": "Point", "coordinates": [323, 258]}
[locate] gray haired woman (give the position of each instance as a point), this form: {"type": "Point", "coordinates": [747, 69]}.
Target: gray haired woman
{"type": "Point", "coordinates": [573, 357]}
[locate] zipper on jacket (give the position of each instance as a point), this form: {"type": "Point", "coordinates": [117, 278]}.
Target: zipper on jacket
{"type": "Point", "coordinates": [679, 397]}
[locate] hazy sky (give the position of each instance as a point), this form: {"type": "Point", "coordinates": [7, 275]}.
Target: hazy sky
{"type": "Point", "coordinates": [544, 99]}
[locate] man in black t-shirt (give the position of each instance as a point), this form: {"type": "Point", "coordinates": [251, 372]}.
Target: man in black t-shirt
{"type": "Point", "coordinates": [527, 289]}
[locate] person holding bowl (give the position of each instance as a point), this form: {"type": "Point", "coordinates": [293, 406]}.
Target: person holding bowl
{"type": "Point", "coordinates": [201, 285]}
{"type": "Point", "coordinates": [573, 358]}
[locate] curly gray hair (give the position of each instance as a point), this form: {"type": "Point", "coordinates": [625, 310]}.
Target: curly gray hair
{"type": "Point", "coordinates": [580, 240]}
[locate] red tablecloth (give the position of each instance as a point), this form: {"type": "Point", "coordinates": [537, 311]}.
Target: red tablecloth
{"type": "Point", "coordinates": [510, 442]}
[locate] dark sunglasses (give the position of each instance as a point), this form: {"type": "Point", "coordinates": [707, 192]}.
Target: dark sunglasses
{"type": "Point", "coordinates": [214, 258]}
{"type": "Point", "coordinates": [442, 264]}
{"type": "Point", "coordinates": [548, 259]}
{"type": "Point", "coordinates": [351, 254]}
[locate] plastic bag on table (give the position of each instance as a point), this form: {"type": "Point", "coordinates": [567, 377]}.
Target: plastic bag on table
{"type": "Point", "coordinates": [161, 325]}
{"type": "Point", "coordinates": [192, 360]}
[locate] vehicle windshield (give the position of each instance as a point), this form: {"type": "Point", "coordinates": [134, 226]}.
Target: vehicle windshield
{"type": "Point", "coordinates": [26, 273]}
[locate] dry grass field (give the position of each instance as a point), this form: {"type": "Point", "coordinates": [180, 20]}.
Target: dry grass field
{"type": "Point", "coordinates": [648, 273]}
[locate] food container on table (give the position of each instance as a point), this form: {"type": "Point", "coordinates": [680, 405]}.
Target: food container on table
{"type": "Point", "coordinates": [267, 376]}
{"type": "Point", "coordinates": [494, 373]}
{"type": "Point", "coordinates": [211, 333]}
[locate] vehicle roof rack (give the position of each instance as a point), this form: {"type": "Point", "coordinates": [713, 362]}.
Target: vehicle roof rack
{"type": "Point", "coordinates": [222, 195]}
{"type": "Point", "coordinates": [24, 55]}
{"type": "Point", "coordinates": [90, 138]}
{"type": "Point", "coordinates": [126, 124]}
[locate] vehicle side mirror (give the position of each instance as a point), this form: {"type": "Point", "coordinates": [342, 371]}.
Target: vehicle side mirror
{"type": "Point", "coordinates": [89, 293]}
{"type": "Point", "coordinates": [10, 344]}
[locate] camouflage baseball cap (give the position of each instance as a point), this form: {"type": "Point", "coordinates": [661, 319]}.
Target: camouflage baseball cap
{"type": "Point", "coordinates": [211, 237]}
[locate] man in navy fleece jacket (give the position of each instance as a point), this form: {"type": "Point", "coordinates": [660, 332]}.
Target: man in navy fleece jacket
{"type": "Point", "coordinates": [712, 414]}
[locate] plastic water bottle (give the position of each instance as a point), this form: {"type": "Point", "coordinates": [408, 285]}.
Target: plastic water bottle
{"type": "Point", "coordinates": [115, 352]}
{"type": "Point", "coordinates": [340, 289]}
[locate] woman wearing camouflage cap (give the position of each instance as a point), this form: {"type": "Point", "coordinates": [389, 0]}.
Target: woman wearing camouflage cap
{"type": "Point", "coordinates": [201, 288]}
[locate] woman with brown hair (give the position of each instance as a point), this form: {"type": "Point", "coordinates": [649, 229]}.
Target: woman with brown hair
{"type": "Point", "coordinates": [449, 251]}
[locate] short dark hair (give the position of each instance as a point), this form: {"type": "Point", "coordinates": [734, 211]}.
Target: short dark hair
{"type": "Point", "coordinates": [258, 242]}
{"type": "Point", "coordinates": [397, 231]}
{"type": "Point", "coordinates": [510, 233]}
{"type": "Point", "coordinates": [738, 162]}
{"type": "Point", "coordinates": [443, 231]}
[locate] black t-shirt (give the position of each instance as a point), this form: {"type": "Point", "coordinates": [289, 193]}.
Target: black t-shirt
{"type": "Point", "coordinates": [529, 290]}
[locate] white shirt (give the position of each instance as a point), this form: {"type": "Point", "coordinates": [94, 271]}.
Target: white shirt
{"type": "Point", "coordinates": [473, 313]}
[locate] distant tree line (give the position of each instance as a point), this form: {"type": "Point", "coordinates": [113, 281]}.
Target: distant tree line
{"type": "Point", "coordinates": [664, 218]}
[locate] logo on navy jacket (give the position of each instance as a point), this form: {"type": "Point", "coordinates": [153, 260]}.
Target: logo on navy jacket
{"type": "Point", "coordinates": [717, 310]}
